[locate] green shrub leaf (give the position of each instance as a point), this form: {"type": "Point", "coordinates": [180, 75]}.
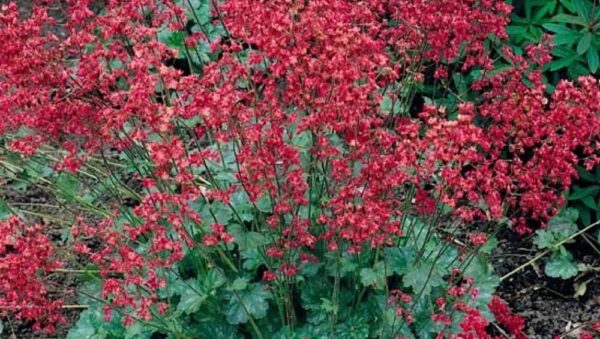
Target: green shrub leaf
{"type": "Point", "coordinates": [592, 59]}
{"type": "Point", "coordinates": [561, 265]}
{"type": "Point", "coordinates": [250, 302]}
{"type": "Point", "coordinates": [584, 43]}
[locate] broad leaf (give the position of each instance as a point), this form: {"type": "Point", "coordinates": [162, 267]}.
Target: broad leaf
{"type": "Point", "coordinates": [374, 276]}
{"type": "Point", "coordinates": [592, 59]}
{"type": "Point", "coordinates": [422, 278]}
{"type": "Point", "coordinates": [398, 259]}
{"type": "Point", "coordinates": [583, 8]}
{"type": "Point", "coordinates": [245, 239]}
{"type": "Point", "coordinates": [4, 210]}
{"type": "Point", "coordinates": [68, 185]}
{"type": "Point", "coordinates": [544, 239]}
{"type": "Point", "coordinates": [569, 19]}
{"type": "Point", "coordinates": [584, 43]}
{"type": "Point", "coordinates": [585, 174]}
{"type": "Point", "coordinates": [580, 193]}
{"type": "Point", "coordinates": [564, 62]}
{"type": "Point", "coordinates": [248, 303]}
{"type": "Point", "coordinates": [87, 326]}
{"type": "Point", "coordinates": [192, 297]}
{"type": "Point", "coordinates": [561, 265]}
{"type": "Point", "coordinates": [559, 29]}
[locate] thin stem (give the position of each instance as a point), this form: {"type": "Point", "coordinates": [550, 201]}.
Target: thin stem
{"type": "Point", "coordinates": [542, 254]}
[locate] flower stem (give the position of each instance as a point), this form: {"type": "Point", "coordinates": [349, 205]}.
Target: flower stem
{"type": "Point", "coordinates": [542, 254]}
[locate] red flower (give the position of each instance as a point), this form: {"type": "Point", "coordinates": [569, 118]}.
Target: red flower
{"type": "Point", "coordinates": [269, 276]}
{"type": "Point", "coordinates": [478, 239]}
{"type": "Point", "coordinates": [288, 270]}
{"type": "Point", "coordinates": [513, 323]}
{"type": "Point", "coordinates": [26, 257]}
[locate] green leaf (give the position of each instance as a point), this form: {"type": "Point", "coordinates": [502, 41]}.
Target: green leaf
{"type": "Point", "coordinates": [541, 14]}
{"type": "Point", "coordinates": [242, 205]}
{"type": "Point", "coordinates": [563, 52]}
{"type": "Point", "coordinates": [568, 5]}
{"type": "Point", "coordinates": [561, 265]}
{"type": "Point", "coordinates": [245, 239]}
{"type": "Point", "coordinates": [137, 330]}
{"type": "Point", "coordinates": [213, 327]}
{"type": "Point", "coordinates": [373, 276]}
{"type": "Point", "coordinates": [175, 40]}
{"type": "Point", "coordinates": [192, 297]}
{"type": "Point", "coordinates": [592, 59]}
{"type": "Point", "coordinates": [218, 211]}
{"type": "Point", "coordinates": [328, 306]}
{"type": "Point", "coordinates": [37, 169]}
{"type": "Point", "coordinates": [544, 239]}
{"type": "Point", "coordinates": [264, 204]}
{"type": "Point", "coordinates": [238, 284]}
{"type": "Point", "coordinates": [348, 265]}
{"type": "Point", "coordinates": [5, 212]}
{"type": "Point", "coordinates": [589, 202]}
{"type": "Point", "coordinates": [252, 259]}
{"type": "Point", "coordinates": [580, 193]}
{"type": "Point", "coordinates": [423, 277]}
{"type": "Point", "coordinates": [585, 174]}
{"type": "Point", "coordinates": [89, 290]}
{"type": "Point", "coordinates": [516, 30]}
{"type": "Point", "coordinates": [584, 214]}
{"type": "Point", "coordinates": [310, 269]}
{"type": "Point", "coordinates": [311, 294]}
{"type": "Point", "coordinates": [562, 63]}
{"type": "Point", "coordinates": [389, 106]}
{"type": "Point", "coordinates": [569, 19]}
{"type": "Point", "coordinates": [559, 228]}
{"type": "Point", "coordinates": [487, 282]}
{"type": "Point", "coordinates": [68, 185]}
{"type": "Point", "coordinates": [584, 43]}
{"type": "Point", "coordinates": [398, 259]}
{"type": "Point", "coordinates": [213, 280]}
{"type": "Point", "coordinates": [302, 140]}
{"type": "Point", "coordinates": [490, 245]}
{"type": "Point", "coordinates": [564, 223]}
{"type": "Point", "coordinates": [559, 29]}
{"type": "Point", "coordinates": [251, 302]}
{"type": "Point", "coordinates": [583, 8]}
{"type": "Point", "coordinates": [566, 39]}
{"type": "Point", "coordinates": [88, 326]}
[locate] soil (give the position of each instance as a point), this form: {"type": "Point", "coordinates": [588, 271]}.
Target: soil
{"type": "Point", "coordinates": [548, 305]}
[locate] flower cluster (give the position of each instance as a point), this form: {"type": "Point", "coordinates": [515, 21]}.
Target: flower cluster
{"type": "Point", "coordinates": [513, 323]}
{"type": "Point", "coordinates": [26, 258]}
{"type": "Point", "coordinates": [132, 279]}
{"type": "Point", "coordinates": [475, 326]}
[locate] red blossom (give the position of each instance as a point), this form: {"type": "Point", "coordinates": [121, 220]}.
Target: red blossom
{"type": "Point", "coordinates": [513, 323]}
{"type": "Point", "coordinates": [288, 270]}
{"type": "Point", "coordinates": [478, 239]}
{"type": "Point", "coordinates": [269, 276]}
{"type": "Point", "coordinates": [26, 257]}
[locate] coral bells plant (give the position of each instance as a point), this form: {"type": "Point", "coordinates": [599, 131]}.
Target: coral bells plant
{"type": "Point", "coordinates": [264, 169]}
